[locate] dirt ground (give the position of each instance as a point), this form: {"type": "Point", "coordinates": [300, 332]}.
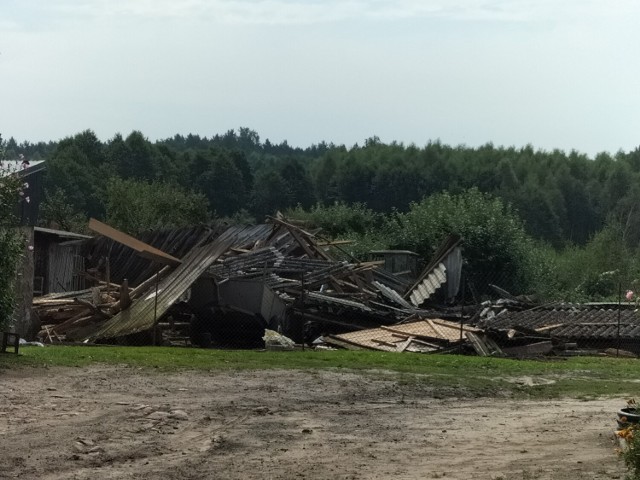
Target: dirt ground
{"type": "Point", "coordinates": [125, 423]}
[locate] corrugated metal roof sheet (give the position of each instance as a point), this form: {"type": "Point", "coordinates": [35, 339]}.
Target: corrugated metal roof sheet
{"type": "Point", "coordinates": [144, 312]}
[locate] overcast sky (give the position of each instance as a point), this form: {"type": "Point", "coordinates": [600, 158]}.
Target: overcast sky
{"type": "Point", "coordinates": [555, 74]}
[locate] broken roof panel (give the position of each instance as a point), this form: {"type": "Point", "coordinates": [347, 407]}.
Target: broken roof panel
{"type": "Point", "coordinates": [61, 233]}
{"type": "Point", "coordinates": [447, 259]}
{"type": "Point", "coordinates": [573, 323]}
{"type": "Point", "coordinates": [22, 167]}
{"type": "Point", "coordinates": [145, 311]}
{"type": "Point", "coordinates": [429, 284]}
{"type": "Point", "coordinates": [343, 302]}
{"type": "Point", "coordinates": [142, 248]}
{"type": "Point", "coordinates": [178, 242]}
{"type": "Point", "coordinates": [391, 294]}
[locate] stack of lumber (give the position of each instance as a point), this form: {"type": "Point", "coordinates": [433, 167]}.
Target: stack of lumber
{"type": "Point", "coordinates": [64, 316]}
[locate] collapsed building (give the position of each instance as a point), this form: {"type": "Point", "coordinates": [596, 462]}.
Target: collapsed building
{"type": "Point", "coordinates": [225, 286]}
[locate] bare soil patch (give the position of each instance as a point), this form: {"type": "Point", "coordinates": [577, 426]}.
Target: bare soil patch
{"type": "Point", "coordinates": [105, 422]}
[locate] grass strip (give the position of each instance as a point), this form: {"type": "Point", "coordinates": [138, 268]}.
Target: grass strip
{"type": "Point", "coordinates": [578, 376]}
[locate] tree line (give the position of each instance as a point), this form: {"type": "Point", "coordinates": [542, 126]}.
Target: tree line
{"type": "Point", "coordinates": [564, 202]}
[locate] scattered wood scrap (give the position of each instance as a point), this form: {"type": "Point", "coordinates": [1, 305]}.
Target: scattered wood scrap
{"type": "Point", "coordinates": [423, 336]}
{"type": "Point", "coordinates": [61, 314]}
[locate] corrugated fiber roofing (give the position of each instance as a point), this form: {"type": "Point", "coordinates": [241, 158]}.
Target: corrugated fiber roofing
{"type": "Point", "coordinates": [578, 323]}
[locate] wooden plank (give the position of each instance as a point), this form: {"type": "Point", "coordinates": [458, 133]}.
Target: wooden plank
{"type": "Point", "coordinates": [414, 334]}
{"type": "Point", "coordinates": [52, 303]}
{"type": "Point", "coordinates": [494, 348]}
{"type": "Point", "coordinates": [88, 304]}
{"type": "Point", "coordinates": [436, 328]}
{"type": "Point", "coordinates": [466, 328]}
{"type": "Point", "coordinates": [549, 327]}
{"type": "Point", "coordinates": [415, 340]}
{"type": "Point", "coordinates": [478, 344]}
{"type": "Point", "coordinates": [83, 313]}
{"type": "Point", "coordinates": [404, 345]}
{"type": "Point", "coordinates": [96, 298]}
{"type": "Point", "coordinates": [384, 342]}
{"type": "Point", "coordinates": [108, 274]}
{"type": "Point", "coordinates": [297, 233]}
{"type": "Point", "coordinates": [131, 242]}
{"type": "Point", "coordinates": [343, 343]}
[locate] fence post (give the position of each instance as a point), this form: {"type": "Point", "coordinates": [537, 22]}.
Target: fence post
{"type": "Point", "coordinates": [155, 310]}
{"type": "Point", "coordinates": [302, 308]}
{"type": "Point", "coordinates": [619, 312]}
{"type": "Point", "coordinates": [462, 279]}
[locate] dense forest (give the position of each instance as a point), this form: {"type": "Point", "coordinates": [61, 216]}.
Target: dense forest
{"type": "Point", "coordinates": [561, 224]}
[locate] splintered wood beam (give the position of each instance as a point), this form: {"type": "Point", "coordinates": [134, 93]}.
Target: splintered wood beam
{"type": "Point", "coordinates": [145, 250]}
{"type": "Point", "coordinates": [297, 233]}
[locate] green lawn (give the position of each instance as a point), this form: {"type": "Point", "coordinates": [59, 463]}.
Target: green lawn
{"type": "Point", "coordinates": [578, 376]}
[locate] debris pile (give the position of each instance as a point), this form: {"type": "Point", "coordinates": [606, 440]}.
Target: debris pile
{"type": "Point", "coordinates": [63, 314]}
{"type": "Point", "coordinates": [523, 328]}
{"type": "Point", "coordinates": [244, 286]}
{"type": "Point", "coordinates": [423, 336]}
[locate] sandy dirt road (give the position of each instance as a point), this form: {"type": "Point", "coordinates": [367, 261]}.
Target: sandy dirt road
{"type": "Point", "coordinates": [125, 423]}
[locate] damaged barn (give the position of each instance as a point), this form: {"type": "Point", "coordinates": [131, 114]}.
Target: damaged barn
{"type": "Point", "coordinates": [227, 286]}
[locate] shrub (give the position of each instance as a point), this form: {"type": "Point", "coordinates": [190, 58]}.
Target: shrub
{"type": "Point", "coordinates": [11, 242]}
{"type": "Point", "coordinates": [495, 245]}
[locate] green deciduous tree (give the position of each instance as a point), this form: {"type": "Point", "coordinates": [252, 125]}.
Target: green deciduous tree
{"type": "Point", "coordinates": [298, 182]}
{"type": "Point", "coordinates": [57, 212]}
{"type": "Point", "coordinates": [223, 185]}
{"type": "Point", "coordinates": [495, 245]}
{"type": "Point", "coordinates": [269, 194]}
{"type": "Point", "coordinates": [135, 206]}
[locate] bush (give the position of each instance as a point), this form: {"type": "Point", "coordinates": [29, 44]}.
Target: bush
{"type": "Point", "coordinates": [631, 451]}
{"type": "Point", "coordinates": [11, 242]}
{"type": "Point", "coordinates": [495, 245]}
{"type": "Point", "coordinates": [597, 271]}
{"type": "Point", "coordinates": [339, 219]}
